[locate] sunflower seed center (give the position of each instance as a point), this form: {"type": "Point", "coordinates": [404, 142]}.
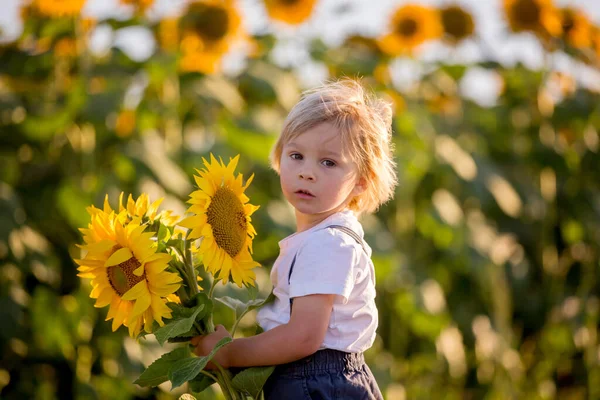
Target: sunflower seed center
{"type": "Point", "coordinates": [407, 27]}
{"type": "Point", "coordinates": [228, 221]}
{"type": "Point", "coordinates": [121, 276]}
{"type": "Point", "coordinates": [210, 22]}
{"type": "Point", "coordinates": [527, 12]}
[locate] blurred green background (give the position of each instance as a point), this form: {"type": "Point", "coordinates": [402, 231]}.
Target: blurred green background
{"type": "Point", "coordinates": [487, 258]}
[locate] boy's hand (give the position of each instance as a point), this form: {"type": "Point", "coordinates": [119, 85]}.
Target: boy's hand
{"type": "Point", "coordinates": [205, 344]}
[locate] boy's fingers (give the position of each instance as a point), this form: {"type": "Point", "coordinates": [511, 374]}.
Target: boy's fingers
{"type": "Point", "coordinates": [220, 328]}
{"type": "Point", "coordinates": [195, 340]}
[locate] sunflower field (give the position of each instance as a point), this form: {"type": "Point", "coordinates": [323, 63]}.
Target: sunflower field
{"type": "Point", "coordinates": [487, 259]}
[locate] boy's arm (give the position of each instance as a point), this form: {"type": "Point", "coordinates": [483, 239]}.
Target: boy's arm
{"type": "Point", "coordinates": [299, 338]}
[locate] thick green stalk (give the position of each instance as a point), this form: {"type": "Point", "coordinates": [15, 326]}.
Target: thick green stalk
{"type": "Point", "coordinates": [228, 385]}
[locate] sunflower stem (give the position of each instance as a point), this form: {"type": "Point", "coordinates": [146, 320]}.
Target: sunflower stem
{"type": "Point", "coordinates": [189, 264]}
{"type": "Point", "coordinates": [210, 325]}
{"type": "Point", "coordinates": [212, 288]}
{"type": "Point", "coordinates": [228, 386]}
{"type": "Point", "coordinates": [203, 372]}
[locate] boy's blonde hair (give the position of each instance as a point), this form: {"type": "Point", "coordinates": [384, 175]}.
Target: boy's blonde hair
{"type": "Point", "coordinates": [364, 123]}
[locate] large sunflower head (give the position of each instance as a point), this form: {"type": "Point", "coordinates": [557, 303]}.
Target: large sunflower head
{"type": "Point", "coordinates": [576, 27]}
{"type": "Point", "coordinates": [126, 272]}
{"type": "Point", "coordinates": [457, 23]}
{"type": "Point", "coordinates": [59, 8]}
{"type": "Point", "coordinates": [410, 26]}
{"type": "Point", "coordinates": [208, 29]}
{"type": "Point", "coordinates": [537, 16]}
{"type": "Point", "coordinates": [222, 218]}
{"type": "Point", "coordinates": [293, 12]}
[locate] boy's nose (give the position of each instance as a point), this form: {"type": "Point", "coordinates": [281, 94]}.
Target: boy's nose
{"type": "Point", "coordinates": [306, 175]}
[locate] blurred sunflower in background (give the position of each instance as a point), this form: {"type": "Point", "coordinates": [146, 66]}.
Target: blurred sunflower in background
{"type": "Point", "coordinates": [126, 272]}
{"type": "Point", "coordinates": [293, 12]}
{"type": "Point", "coordinates": [457, 23]}
{"type": "Point", "coordinates": [141, 5]}
{"type": "Point", "coordinates": [538, 16]}
{"type": "Point", "coordinates": [577, 29]}
{"type": "Point", "coordinates": [59, 8]}
{"type": "Point", "coordinates": [222, 219]}
{"type": "Point", "coordinates": [208, 28]}
{"type": "Point", "coordinates": [410, 26]}
{"type": "Point", "coordinates": [596, 44]}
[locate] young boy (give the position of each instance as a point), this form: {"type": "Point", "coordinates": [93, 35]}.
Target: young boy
{"type": "Point", "coordinates": [334, 159]}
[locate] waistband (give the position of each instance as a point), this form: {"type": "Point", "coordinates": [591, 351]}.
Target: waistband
{"type": "Point", "coordinates": [326, 360]}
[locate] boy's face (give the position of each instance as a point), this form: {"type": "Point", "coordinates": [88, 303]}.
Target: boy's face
{"type": "Point", "coordinates": [316, 177]}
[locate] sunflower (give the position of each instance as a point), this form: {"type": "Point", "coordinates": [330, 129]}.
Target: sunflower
{"type": "Point", "coordinates": [457, 23]}
{"type": "Point", "coordinates": [141, 211]}
{"type": "Point", "coordinates": [59, 8]}
{"type": "Point", "coordinates": [208, 29]}
{"type": "Point", "coordinates": [222, 219]}
{"type": "Point", "coordinates": [126, 272]}
{"type": "Point", "coordinates": [576, 27]}
{"type": "Point", "coordinates": [410, 26]}
{"type": "Point", "coordinates": [537, 16]}
{"type": "Point", "coordinates": [168, 34]}
{"type": "Point", "coordinates": [596, 44]}
{"type": "Point", "coordinates": [141, 5]}
{"type": "Point", "coordinates": [293, 12]}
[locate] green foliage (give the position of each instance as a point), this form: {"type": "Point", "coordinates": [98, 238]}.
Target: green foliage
{"type": "Point", "coordinates": [187, 369]}
{"type": "Point", "coordinates": [158, 371]}
{"type": "Point", "coordinates": [252, 380]}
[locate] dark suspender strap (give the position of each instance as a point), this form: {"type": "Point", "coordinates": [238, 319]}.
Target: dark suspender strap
{"type": "Point", "coordinates": [342, 228]}
{"type": "Point", "coordinates": [351, 233]}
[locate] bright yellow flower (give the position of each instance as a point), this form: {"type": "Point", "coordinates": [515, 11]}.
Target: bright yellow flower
{"type": "Point", "coordinates": [537, 16]}
{"type": "Point", "coordinates": [59, 8]}
{"type": "Point", "coordinates": [141, 210]}
{"type": "Point", "coordinates": [293, 12]}
{"type": "Point", "coordinates": [126, 272]}
{"type": "Point", "coordinates": [457, 23]}
{"type": "Point", "coordinates": [208, 29]}
{"type": "Point", "coordinates": [577, 28]}
{"type": "Point", "coordinates": [410, 26]}
{"type": "Point", "coordinates": [222, 219]}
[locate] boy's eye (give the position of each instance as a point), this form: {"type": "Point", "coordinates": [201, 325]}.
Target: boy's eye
{"type": "Point", "coordinates": [328, 163]}
{"type": "Point", "coordinates": [296, 156]}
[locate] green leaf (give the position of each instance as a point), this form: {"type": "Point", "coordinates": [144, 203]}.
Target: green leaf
{"type": "Point", "coordinates": [242, 308]}
{"type": "Point", "coordinates": [177, 326]}
{"type": "Point", "coordinates": [252, 380]}
{"type": "Point", "coordinates": [181, 312]}
{"type": "Point", "coordinates": [236, 305]}
{"type": "Point", "coordinates": [200, 382]}
{"type": "Point", "coordinates": [163, 236]}
{"type": "Point", "coordinates": [157, 372]}
{"type": "Point", "coordinates": [186, 370]}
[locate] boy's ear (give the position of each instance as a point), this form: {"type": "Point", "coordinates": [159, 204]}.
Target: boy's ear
{"type": "Point", "coordinates": [361, 186]}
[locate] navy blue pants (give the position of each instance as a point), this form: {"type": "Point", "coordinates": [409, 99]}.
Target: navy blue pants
{"type": "Point", "coordinates": [327, 374]}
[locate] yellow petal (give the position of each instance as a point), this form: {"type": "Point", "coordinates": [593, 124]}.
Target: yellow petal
{"type": "Point", "coordinates": [141, 305]}
{"type": "Point", "coordinates": [118, 257]}
{"type": "Point", "coordinates": [140, 289]}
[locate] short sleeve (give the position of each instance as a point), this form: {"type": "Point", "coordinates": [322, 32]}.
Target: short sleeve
{"type": "Point", "coordinates": [324, 265]}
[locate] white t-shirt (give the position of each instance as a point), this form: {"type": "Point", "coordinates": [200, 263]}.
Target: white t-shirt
{"type": "Point", "coordinates": [328, 261]}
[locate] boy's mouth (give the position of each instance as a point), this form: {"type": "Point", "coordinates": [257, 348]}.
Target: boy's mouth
{"type": "Point", "coordinates": [304, 192]}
